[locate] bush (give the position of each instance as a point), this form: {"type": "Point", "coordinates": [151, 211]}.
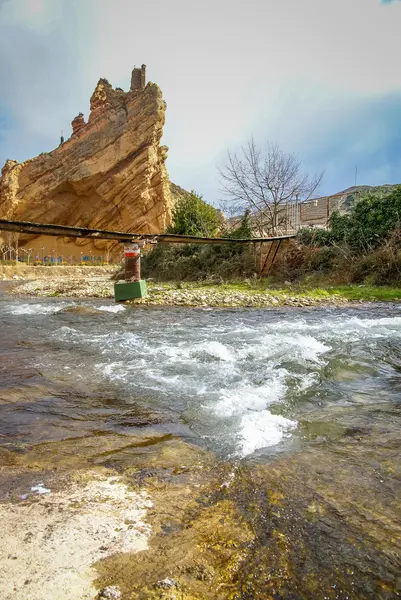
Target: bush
{"type": "Point", "coordinates": [315, 237]}
{"type": "Point", "coordinates": [293, 262]}
{"type": "Point", "coordinates": [326, 259]}
{"type": "Point", "coordinates": [383, 266]}
{"type": "Point", "coordinates": [369, 224]}
{"type": "Point", "coordinates": [243, 231]}
{"type": "Point", "coordinates": [193, 216]}
{"type": "Point", "coordinates": [193, 262]}
{"type": "Point", "coordinates": [361, 246]}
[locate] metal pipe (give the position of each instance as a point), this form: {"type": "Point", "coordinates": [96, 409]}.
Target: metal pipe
{"type": "Point", "coordinates": [101, 234]}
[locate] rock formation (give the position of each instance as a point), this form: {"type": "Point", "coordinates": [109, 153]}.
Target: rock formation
{"type": "Point", "coordinates": [110, 174]}
{"type": "Point", "coordinates": [78, 123]}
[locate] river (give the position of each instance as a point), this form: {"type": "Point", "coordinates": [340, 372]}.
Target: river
{"type": "Point", "coordinates": [279, 393]}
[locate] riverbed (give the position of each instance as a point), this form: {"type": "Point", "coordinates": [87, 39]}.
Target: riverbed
{"type": "Point", "coordinates": [290, 416]}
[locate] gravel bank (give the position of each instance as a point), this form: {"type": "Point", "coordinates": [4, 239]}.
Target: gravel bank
{"type": "Point", "coordinates": [167, 296]}
{"type": "Point", "coordinates": [72, 287]}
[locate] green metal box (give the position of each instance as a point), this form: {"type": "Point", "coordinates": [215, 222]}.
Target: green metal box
{"type": "Point", "coordinates": [129, 290]}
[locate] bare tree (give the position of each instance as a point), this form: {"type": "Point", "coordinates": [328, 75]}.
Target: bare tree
{"type": "Point", "coordinates": [13, 244]}
{"type": "Point", "coordinates": [16, 246]}
{"type": "Point", "coordinates": [4, 249]}
{"type": "Point", "coordinates": [28, 253]}
{"type": "Point", "coordinates": [265, 181]}
{"type": "Point", "coordinates": [107, 254]}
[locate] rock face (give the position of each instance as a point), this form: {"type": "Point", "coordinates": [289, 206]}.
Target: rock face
{"type": "Point", "coordinates": [78, 123]}
{"type": "Point", "coordinates": [110, 174]}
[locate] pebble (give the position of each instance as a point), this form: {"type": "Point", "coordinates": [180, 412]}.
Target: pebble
{"type": "Point", "coordinates": [167, 584]}
{"type": "Point", "coordinates": [111, 592]}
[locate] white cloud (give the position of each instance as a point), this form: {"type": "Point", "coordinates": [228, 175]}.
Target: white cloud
{"type": "Point", "coordinates": [227, 68]}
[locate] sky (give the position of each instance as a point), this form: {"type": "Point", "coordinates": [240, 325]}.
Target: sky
{"type": "Point", "coordinates": [322, 78]}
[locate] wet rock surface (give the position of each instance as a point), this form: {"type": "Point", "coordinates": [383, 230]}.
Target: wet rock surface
{"type": "Point", "coordinates": [112, 592]}
{"type": "Point", "coordinates": [278, 531]}
{"type": "Point", "coordinates": [312, 525]}
{"type": "Point", "coordinates": [53, 536]}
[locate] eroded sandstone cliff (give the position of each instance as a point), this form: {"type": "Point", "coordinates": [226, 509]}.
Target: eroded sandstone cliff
{"type": "Point", "coordinates": [110, 174]}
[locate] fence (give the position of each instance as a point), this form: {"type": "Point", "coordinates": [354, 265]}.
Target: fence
{"type": "Point", "coordinates": [30, 256]}
{"type": "Point", "coordinates": [293, 216]}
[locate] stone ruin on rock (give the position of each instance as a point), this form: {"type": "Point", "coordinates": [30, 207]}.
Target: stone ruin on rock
{"type": "Point", "coordinates": [110, 174]}
{"type": "Point", "coordinates": [138, 79]}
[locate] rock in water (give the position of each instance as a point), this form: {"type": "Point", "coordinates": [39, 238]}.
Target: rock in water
{"type": "Point", "coordinates": [112, 592]}
{"type": "Point", "coordinates": [110, 174]}
{"type": "Point", "coordinates": [167, 584]}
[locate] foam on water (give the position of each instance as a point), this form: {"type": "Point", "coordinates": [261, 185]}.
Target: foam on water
{"type": "Point", "coordinates": [304, 348]}
{"type": "Point", "coordinates": [36, 309]}
{"type": "Point", "coordinates": [262, 429]}
{"type": "Point", "coordinates": [235, 382]}
{"type": "Point", "coordinates": [40, 489]}
{"type": "Point", "coordinates": [334, 327]}
{"type": "Point", "coordinates": [112, 308]}
{"type": "Point", "coordinates": [257, 426]}
{"type": "Point", "coordinates": [214, 349]}
{"type": "Point", "coordinates": [251, 396]}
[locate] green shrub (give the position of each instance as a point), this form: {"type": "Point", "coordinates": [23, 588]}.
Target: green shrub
{"type": "Point", "coordinates": [194, 262]}
{"type": "Point", "coordinates": [315, 237]}
{"type": "Point", "coordinates": [363, 245]}
{"type": "Point", "coordinates": [193, 216]}
{"type": "Point", "coordinates": [325, 259]}
{"type": "Point", "coordinates": [244, 229]}
{"type": "Point", "coordinates": [381, 267]}
{"type": "Point", "coordinates": [293, 262]}
{"type": "Point", "coordinates": [369, 224]}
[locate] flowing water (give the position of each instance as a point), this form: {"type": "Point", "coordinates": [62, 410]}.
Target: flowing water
{"type": "Point", "coordinates": [237, 381]}
{"type": "Point", "coordinates": [308, 387]}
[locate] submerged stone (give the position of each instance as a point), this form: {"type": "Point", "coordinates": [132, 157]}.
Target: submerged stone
{"type": "Point", "coordinates": [111, 592]}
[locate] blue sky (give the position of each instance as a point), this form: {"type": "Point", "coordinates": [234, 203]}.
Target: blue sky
{"type": "Point", "coordinates": [320, 77]}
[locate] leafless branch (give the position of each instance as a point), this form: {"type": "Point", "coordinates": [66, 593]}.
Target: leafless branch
{"type": "Point", "coordinates": [264, 181]}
